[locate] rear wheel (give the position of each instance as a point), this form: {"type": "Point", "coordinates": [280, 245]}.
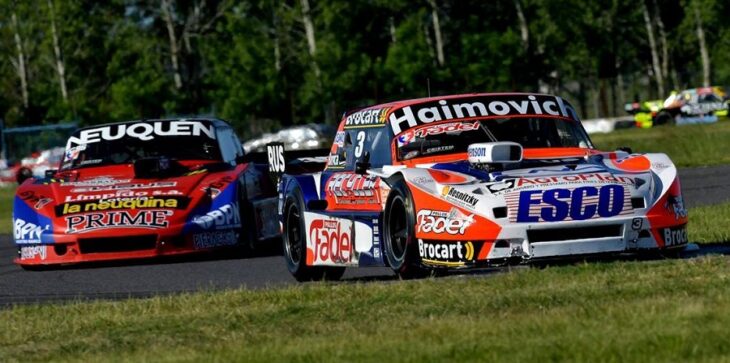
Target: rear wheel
{"type": "Point", "coordinates": [295, 244]}
{"type": "Point", "coordinates": [400, 244]}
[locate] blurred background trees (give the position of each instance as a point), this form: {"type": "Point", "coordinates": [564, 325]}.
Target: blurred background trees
{"type": "Point", "coordinates": [262, 64]}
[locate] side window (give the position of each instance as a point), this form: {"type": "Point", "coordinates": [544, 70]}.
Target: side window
{"type": "Point", "coordinates": [374, 141]}
{"type": "Point", "coordinates": [237, 144]}
{"type": "Point", "coordinates": [229, 148]}
{"type": "Point", "coordinates": [350, 146]}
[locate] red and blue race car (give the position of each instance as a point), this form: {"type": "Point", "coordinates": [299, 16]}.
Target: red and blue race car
{"type": "Point", "coordinates": [472, 180]}
{"type": "Point", "coordinates": [142, 189]}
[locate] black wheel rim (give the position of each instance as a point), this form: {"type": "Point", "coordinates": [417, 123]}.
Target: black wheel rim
{"type": "Point", "coordinates": [398, 228]}
{"type": "Point", "coordinates": [293, 235]}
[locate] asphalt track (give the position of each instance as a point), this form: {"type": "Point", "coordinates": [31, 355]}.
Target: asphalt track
{"type": "Point", "coordinates": [701, 186]}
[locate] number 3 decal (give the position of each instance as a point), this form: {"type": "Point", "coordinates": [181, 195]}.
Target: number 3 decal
{"type": "Point", "coordinates": [360, 144]}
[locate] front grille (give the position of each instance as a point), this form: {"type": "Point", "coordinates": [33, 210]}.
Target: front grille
{"type": "Point", "coordinates": [637, 203]}
{"type": "Point", "coordinates": [567, 234]}
{"type": "Point", "coordinates": [117, 244]}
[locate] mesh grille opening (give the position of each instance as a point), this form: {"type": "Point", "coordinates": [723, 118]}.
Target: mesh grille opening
{"type": "Point", "coordinates": [567, 234]}
{"type": "Point", "coordinates": [117, 244]}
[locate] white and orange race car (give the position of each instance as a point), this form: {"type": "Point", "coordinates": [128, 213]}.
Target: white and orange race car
{"type": "Point", "coordinates": [468, 181]}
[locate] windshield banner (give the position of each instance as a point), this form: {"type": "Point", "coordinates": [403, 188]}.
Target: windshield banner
{"type": "Point", "coordinates": [482, 106]}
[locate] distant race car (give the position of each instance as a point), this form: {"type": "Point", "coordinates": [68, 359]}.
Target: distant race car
{"type": "Point", "coordinates": [143, 189]}
{"type": "Point", "coordinates": [690, 106]}
{"type": "Point", "coordinates": [468, 181]}
{"type": "Point", "coordinates": [644, 112]}
{"type": "Point", "coordinates": [300, 137]}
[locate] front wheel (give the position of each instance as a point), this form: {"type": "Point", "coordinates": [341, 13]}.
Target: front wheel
{"type": "Point", "coordinates": [400, 244]}
{"type": "Point", "coordinates": [664, 118]}
{"type": "Point", "coordinates": [295, 243]}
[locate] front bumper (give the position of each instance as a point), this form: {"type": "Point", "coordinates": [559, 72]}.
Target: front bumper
{"type": "Point", "coordinates": [520, 243]}
{"type": "Point", "coordinates": [74, 249]}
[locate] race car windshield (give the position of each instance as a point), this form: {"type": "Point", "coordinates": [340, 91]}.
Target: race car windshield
{"type": "Point", "coordinates": [127, 149]}
{"type": "Point", "coordinates": [455, 137]}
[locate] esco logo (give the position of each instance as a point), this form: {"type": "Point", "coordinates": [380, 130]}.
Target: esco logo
{"type": "Point", "coordinates": [579, 204]}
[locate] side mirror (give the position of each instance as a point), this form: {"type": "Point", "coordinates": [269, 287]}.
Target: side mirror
{"type": "Point", "coordinates": [362, 165]}
{"type": "Point", "coordinates": [495, 153]}
{"type": "Point", "coordinates": [625, 149]}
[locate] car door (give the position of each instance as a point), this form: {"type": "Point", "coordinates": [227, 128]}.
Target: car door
{"type": "Point", "coordinates": [352, 188]}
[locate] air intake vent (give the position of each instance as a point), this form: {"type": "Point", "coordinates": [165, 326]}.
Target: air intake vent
{"type": "Point", "coordinates": [117, 244]}
{"type": "Point", "coordinates": [500, 212]}
{"type": "Point", "coordinates": [567, 234]}
{"type": "Point", "coordinates": [637, 203]}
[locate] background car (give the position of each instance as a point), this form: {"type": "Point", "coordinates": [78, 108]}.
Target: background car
{"type": "Point", "coordinates": [142, 189]}
{"type": "Point", "coordinates": [468, 181]}
{"type": "Point", "coordinates": [302, 137]}
{"type": "Point", "coordinates": [694, 105]}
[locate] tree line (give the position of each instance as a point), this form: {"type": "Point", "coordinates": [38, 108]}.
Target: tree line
{"type": "Point", "coordinates": [261, 64]}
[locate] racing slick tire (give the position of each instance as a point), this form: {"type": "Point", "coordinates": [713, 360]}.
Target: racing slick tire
{"type": "Point", "coordinates": [664, 118]}
{"type": "Point", "coordinates": [294, 240]}
{"type": "Point", "coordinates": [399, 240]}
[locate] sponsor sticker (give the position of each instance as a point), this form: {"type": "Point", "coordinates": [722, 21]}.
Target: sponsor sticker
{"type": "Point", "coordinates": [226, 217]}
{"type": "Point", "coordinates": [501, 186]}
{"type": "Point", "coordinates": [434, 221]}
{"type": "Point", "coordinates": [145, 131]}
{"type": "Point", "coordinates": [481, 106]}
{"type": "Point", "coordinates": [367, 118]}
{"type": "Point", "coordinates": [675, 236]}
{"type": "Point", "coordinates": [461, 198]}
{"type": "Point", "coordinates": [340, 138]}
{"type": "Point", "coordinates": [152, 219]}
{"type": "Point", "coordinates": [27, 232]}
{"type": "Point", "coordinates": [351, 188]}
{"type": "Point", "coordinates": [38, 201]}
{"type": "Point", "coordinates": [448, 254]}
{"type": "Point", "coordinates": [330, 241]}
{"type": "Point", "coordinates": [675, 204]}
{"type": "Point", "coordinates": [32, 252]}
{"type": "Point", "coordinates": [429, 130]}
{"type": "Point", "coordinates": [122, 203]}
{"type": "Point", "coordinates": [117, 184]}
{"type": "Point", "coordinates": [275, 155]}
{"type": "Point", "coordinates": [214, 239]}
{"type": "Point", "coordinates": [581, 203]}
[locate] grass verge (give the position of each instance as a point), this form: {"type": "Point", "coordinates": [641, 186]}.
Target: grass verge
{"type": "Point", "coordinates": [6, 209]}
{"type": "Point", "coordinates": [674, 310]}
{"type": "Point", "coordinates": [687, 146]}
{"type": "Point", "coordinates": [709, 224]}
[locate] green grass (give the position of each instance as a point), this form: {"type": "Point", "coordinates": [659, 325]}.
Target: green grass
{"type": "Point", "coordinates": [709, 224]}
{"type": "Point", "coordinates": [677, 310]}
{"type": "Point", "coordinates": [690, 145]}
{"type": "Point", "coordinates": [6, 209]}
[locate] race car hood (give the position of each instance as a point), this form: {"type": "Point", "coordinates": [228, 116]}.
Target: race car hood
{"type": "Point", "coordinates": [601, 185]}
{"type": "Point", "coordinates": [113, 182]}
{"type": "Point", "coordinates": [93, 200]}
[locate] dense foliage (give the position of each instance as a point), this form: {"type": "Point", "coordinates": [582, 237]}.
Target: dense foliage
{"type": "Point", "coordinates": [264, 63]}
